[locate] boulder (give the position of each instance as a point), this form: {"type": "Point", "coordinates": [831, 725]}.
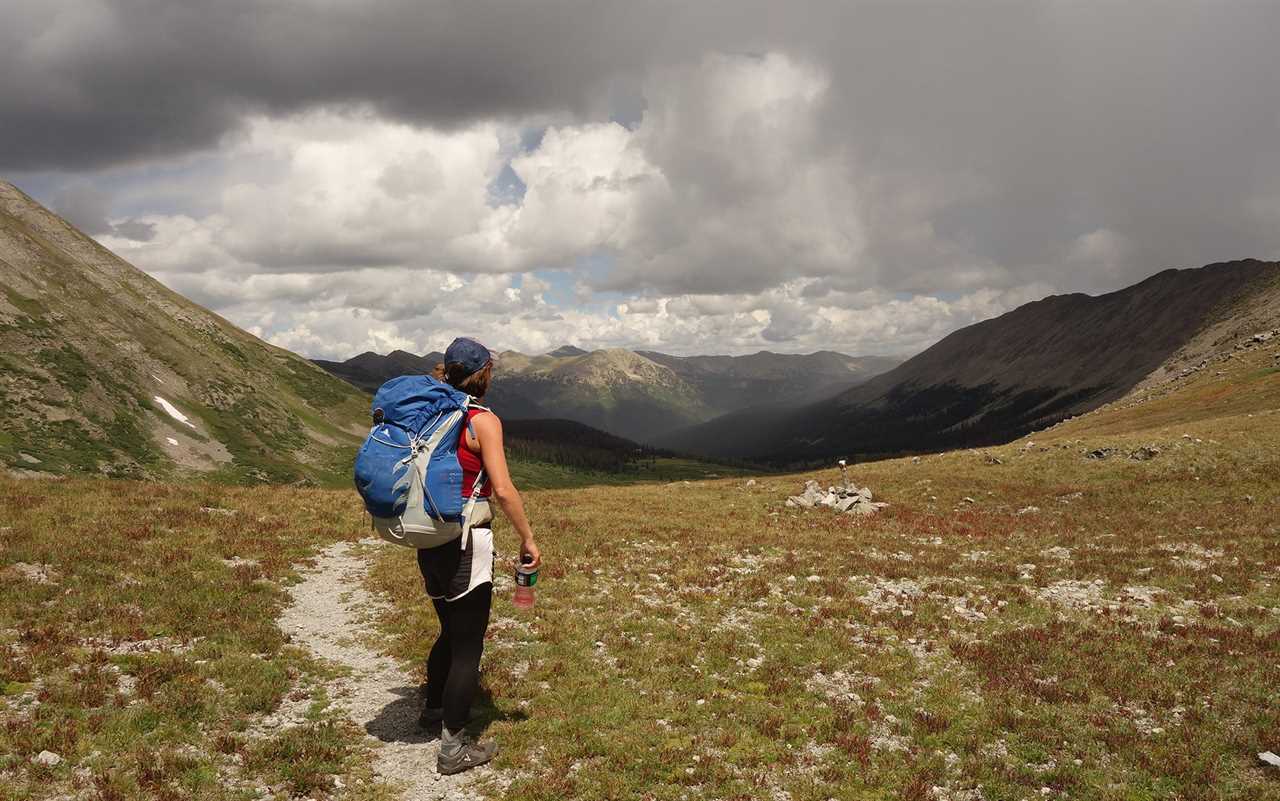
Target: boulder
{"type": "Point", "coordinates": [1145, 453]}
{"type": "Point", "coordinates": [48, 759]}
{"type": "Point", "coordinates": [848, 503]}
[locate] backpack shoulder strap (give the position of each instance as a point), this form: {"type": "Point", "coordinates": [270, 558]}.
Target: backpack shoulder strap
{"type": "Point", "coordinates": [472, 406]}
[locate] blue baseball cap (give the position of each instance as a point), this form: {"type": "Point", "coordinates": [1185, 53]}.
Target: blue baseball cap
{"type": "Point", "coordinates": [468, 353]}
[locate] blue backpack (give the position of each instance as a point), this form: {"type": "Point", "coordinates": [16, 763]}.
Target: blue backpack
{"type": "Point", "coordinates": [408, 472]}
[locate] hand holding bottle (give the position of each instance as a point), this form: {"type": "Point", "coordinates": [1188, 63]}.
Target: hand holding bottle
{"type": "Point", "coordinates": [530, 548]}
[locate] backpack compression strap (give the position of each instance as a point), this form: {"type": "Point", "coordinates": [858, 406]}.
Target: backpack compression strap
{"type": "Point", "coordinates": [470, 509]}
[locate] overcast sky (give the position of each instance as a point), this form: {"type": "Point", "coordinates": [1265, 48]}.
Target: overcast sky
{"type": "Point", "coordinates": [695, 177]}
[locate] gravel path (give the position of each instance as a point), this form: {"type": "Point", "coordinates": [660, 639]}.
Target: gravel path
{"type": "Point", "coordinates": [331, 616]}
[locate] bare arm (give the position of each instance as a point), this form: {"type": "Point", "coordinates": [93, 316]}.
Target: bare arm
{"type": "Point", "coordinates": [488, 432]}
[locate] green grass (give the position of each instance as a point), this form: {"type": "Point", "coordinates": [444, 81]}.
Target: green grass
{"type": "Point", "coordinates": [317, 387]}
{"type": "Point", "coordinates": [131, 562]}
{"type": "Point", "coordinates": [24, 304]}
{"type": "Point", "coordinates": [67, 366]}
{"type": "Point", "coordinates": [1050, 626]}
{"type": "Point", "coordinates": [531, 474]}
{"type": "Point", "coordinates": [15, 368]}
{"type": "Point", "coordinates": [706, 641]}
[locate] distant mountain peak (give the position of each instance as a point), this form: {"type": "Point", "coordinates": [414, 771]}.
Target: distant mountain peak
{"type": "Point", "coordinates": [1030, 367]}
{"type": "Point", "coordinates": [639, 394]}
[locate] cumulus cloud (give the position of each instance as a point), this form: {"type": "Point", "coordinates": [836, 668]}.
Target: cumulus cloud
{"type": "Point", "coordinates": [751, 191]}
{"type": "Point", "coordinates": [685, 176]}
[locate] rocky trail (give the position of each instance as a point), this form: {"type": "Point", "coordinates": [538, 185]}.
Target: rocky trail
{"type": "Point", "coordinates": [331, 615]}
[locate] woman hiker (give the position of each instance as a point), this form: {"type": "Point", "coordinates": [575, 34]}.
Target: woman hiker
{"type": "Point", "coordinates": [460, 582]}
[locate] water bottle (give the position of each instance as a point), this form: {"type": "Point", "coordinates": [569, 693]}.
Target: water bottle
{"type": "Point", "coordinates": [526, 577]}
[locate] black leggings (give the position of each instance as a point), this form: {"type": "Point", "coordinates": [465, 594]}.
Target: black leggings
{"type": "Point", "coordinates": [453, 669]}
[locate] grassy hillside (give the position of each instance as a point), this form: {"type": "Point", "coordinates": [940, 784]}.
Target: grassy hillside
{"type": "Point", "coordinates": [553, 454]}
{"type": "Point", "coordinates": [1020, 622]}
{"type": "Point", "coordinates": [104, 371]}
{"type": "Point", "coordinates": [997, 379]}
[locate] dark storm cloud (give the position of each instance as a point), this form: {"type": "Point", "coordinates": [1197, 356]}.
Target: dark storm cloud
{"type": "Point", "coordinates": [85, 206]}
{"type": "Point", "coordinates": [987, 144]}
{"type": "Point", "coordinates": [92, 83]}
{"type": "Point", "coordinates": [88, 208]}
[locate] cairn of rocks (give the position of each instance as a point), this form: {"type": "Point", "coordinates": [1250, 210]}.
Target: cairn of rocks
{"type": "Point", "coordinates": [849, 499]}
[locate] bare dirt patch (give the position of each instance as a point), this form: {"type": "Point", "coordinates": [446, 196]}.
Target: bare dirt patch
{"type": "Point", "coordinates": [331, 616]}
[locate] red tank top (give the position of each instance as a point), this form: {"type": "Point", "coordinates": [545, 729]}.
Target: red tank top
{"type": "Point", "coordinates": [470, 462]}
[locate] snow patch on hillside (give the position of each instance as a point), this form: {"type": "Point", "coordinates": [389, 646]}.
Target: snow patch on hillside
{"type": "Point", "coordinates": [173, 411]}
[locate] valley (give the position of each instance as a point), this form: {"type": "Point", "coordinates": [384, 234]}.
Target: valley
{"type": "Point", "coordinates": [104, 371]}
{"type": "Point", "coordinates": [889, 392]}
{"type": "Point", "coordinates": [696, 634]}
{"type": "Point", "coordinates": [641, 395]}
{"type": "Point", "coordinates": [1020, 621]}
{"type": "Point", "coordinates": [1031, 367]}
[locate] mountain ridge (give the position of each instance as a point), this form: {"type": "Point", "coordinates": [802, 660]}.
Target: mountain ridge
{"type": "Point", "coordinates": [635, 394]}
{"type": "Point", "coordinates": [1028, 368]}
{"type": "Point", "coordinates": [106, 370]}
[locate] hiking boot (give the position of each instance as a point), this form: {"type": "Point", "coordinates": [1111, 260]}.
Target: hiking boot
{"type": "Point", "coordinates": [431, 720]}
{"type": "Point", "coordinates": [461, 751]}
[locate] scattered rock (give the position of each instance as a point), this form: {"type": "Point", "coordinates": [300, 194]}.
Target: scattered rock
{"type": "Point", "coordinates": [40, 574]}
{"type": "Point", "coordinates": [48, 759]}
{"type": "Point", "coordinates": [967, 499]}
{"type": "Point", "coordinates": [1057, 552]}
{"type": "Point", "coordinates": [1145, 453]}
{"type": "Point", "coordinates": [1028, 510]}
{"type": "Point", "coordinates": [151, 646]}
{"type": "Point", "coordinates": [1074, 593]}
{"type": "Point", "coordinates": [1100, 453]}
{"type": "Point", "coordinates": [839, 685]}
{"type": "Point", "coordinates": [214, 510]}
